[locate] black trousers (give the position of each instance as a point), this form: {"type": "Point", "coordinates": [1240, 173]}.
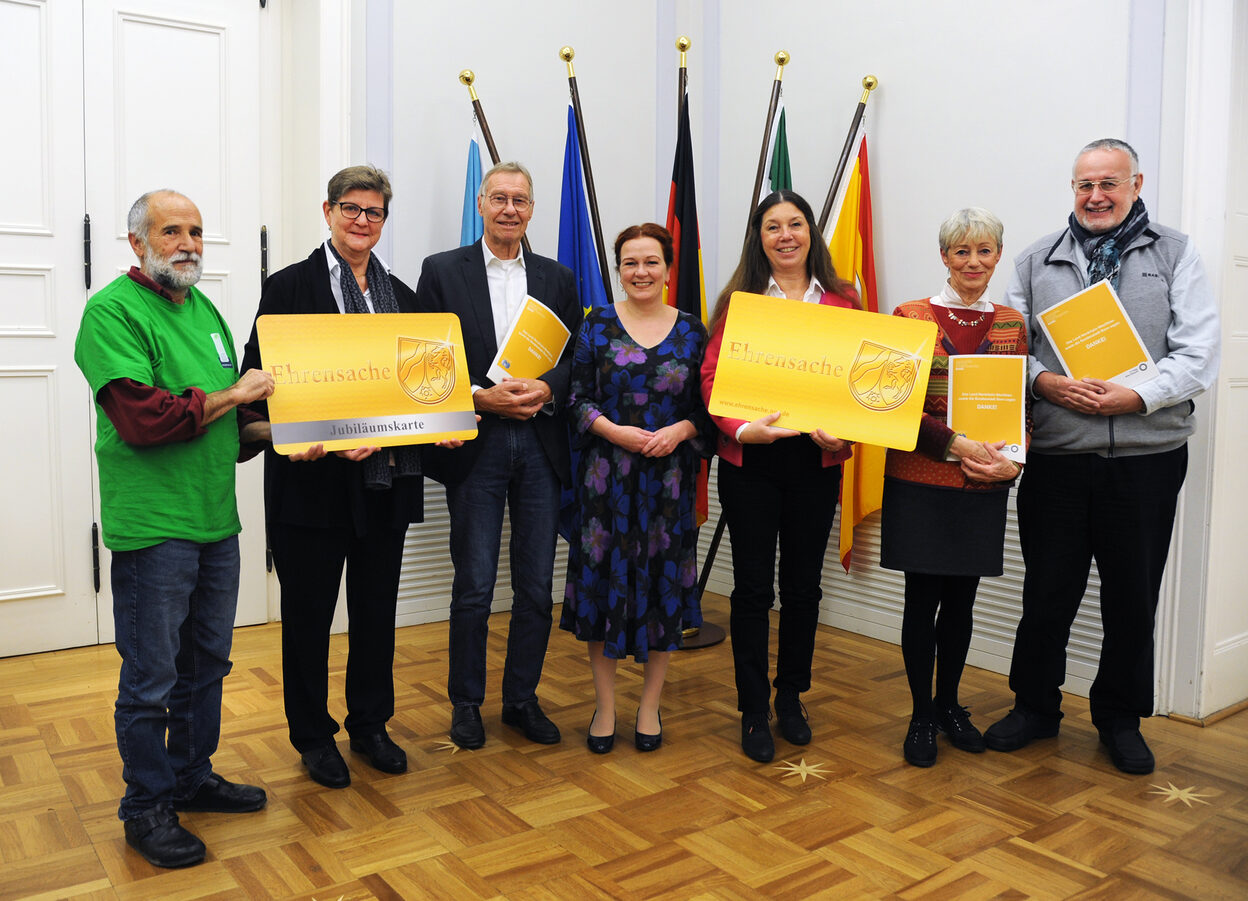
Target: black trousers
{"type": "Point", "coordinates": [779, 493]}
{"type": "Point", "coordinates": [1119, 511]}
{"type": "Point", "coordinates": [309, 564]}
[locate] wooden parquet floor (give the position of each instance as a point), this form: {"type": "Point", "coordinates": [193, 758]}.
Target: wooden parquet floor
{"type": "Point", "coordinates": [844, 817]}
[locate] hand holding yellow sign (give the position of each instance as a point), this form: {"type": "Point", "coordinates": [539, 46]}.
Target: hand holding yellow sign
{"type": "Point", "coordinates": [859, 376]}
{"type": "Point", "coordinates": [380, 380]}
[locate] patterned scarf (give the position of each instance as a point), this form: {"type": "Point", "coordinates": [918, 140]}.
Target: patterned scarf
{"type": "Point", "coordinates": [1104, 250]}
{"type": "Point", "coordinates": [381, 467]}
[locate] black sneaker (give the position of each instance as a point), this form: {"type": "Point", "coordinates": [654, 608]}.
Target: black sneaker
{"type": "Point", "coordinates": [1128, 750]}
{"type": "Point", "coordinates": [792, 720]}
{"type": "Point", "coordinates": [1019, 728]}
{"type": "Point", "coordinates": [920, 746]}
{"type": "Point", "coordinates": [955, 722]}
{"type": "Point", "coordinates": [756, 740]}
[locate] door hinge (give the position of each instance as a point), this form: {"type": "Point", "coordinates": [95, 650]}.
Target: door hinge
{"type": "Point", "coordinates": [86, 249]}
{"type": "Point", "coordinates": [95, 555]}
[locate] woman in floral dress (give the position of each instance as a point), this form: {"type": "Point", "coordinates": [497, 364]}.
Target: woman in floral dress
{"type": "Point", "coordinates": [641, 429]}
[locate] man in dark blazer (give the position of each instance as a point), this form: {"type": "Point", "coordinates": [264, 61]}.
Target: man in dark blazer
{"type": "Point", "coordinates": [518, 460]}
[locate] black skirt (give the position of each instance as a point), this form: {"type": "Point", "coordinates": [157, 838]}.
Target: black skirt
{"type": "Point", "coordinates": [942, 531]}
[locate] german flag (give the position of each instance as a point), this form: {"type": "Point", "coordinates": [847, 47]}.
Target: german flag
{"type": "Point", "coordinates": [686, 289]}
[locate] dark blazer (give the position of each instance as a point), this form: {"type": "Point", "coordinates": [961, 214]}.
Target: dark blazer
{"type": "Point", "coordinates": [455, 282]}
{"type": "Point", "coordinates": [329, 492]}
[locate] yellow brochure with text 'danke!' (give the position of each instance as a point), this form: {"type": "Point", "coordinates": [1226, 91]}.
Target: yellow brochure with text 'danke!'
{"type": "Point", "coordinates": [987, 400]}
{"type": "Point", "coordinates": [532, 345]}
{"type": "Point", "coordinates": [1094, 337]}
{"type": "Point", "coordinates": [858, 376]}
{"type": "Point", "coordinates": [375, 380]}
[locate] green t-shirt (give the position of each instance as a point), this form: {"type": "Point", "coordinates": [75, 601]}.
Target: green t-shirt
{"type": "Point", "coordinates": [183, 490]}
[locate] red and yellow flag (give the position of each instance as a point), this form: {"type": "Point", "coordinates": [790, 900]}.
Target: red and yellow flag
{"type": "Point", "coordinates": [849, 240]}
{"type": "Point", "coordinates": [685, 287]}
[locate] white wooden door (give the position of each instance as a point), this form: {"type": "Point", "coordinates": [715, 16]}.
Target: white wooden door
{"type": "Point", "coordinates": [171, 101]}
{"type": "Point", "coordinates": [47, 596]}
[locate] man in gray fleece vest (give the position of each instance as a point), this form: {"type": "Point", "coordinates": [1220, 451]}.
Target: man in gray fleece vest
{"type": "Point", "coordinates": [1106, 461]}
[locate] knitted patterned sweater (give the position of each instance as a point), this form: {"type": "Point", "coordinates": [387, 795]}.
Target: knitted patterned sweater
{"type": "Point", "coordinates": [926, 465]}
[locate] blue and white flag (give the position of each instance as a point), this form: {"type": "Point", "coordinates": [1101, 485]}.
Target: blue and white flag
{"type": "Point", "coordinates": [471, 228]}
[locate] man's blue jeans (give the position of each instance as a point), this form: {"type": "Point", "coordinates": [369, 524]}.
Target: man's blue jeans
{"type": "Point", "coordinates": [512, 470]}
{"type": "Point", "coordinates": [173, 606]}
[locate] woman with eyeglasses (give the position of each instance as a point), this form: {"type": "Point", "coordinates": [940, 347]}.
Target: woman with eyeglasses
{"type": "Point", "coordinates": [944, 502]}
{"type": "Point", "coordinates": [326, 509]}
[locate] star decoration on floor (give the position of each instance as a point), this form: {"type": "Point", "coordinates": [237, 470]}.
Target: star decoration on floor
{"type": "Point", "coordinates": [447, 746]}
{"type": "Point", "coordinates": [802, 769]}
{"type": "Point", "coordinates": [1171, 792]}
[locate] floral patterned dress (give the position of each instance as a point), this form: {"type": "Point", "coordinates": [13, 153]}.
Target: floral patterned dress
{"type": "Point", "coordinates": [632, 568]}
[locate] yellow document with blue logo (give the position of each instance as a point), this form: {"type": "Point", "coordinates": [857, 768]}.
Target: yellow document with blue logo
{"type": "Point", "coordinates": [379, 380]}
{"type": "Point", "coordinates": [532, 345]}
{"type": "Point", "coordinates": [857, 375]}
{"type": "Point", "coordinates": [988, 400]}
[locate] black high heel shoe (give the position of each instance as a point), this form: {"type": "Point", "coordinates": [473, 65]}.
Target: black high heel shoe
{"type": "Point", "coordinates": [648, 742]}
{"type": "Point", "coordinates": [599, 744]}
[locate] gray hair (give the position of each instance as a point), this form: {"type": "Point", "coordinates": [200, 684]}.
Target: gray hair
{"type": "Point", "coordinates": [359, 178]}
{"type": "Point", "coordinates": [1109, 144]}
{"type": "Point", "coordinates": [501, 168]}
{"type": "Point", "coordinates": [970, 225]}
{"type": "Point", "coordinates": [139, 219]}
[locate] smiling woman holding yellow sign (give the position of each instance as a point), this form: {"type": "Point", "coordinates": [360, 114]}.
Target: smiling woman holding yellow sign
{"type": "Point", "coordinates": [944, 502]}
{"type": "Point", "coordinates": [776, 483]}
{"type": "Point", "coordinates": [350, 506]}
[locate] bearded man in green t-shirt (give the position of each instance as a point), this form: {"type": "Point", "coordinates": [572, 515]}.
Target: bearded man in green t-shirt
{"type": "Point", "coordinates": [161, 364]}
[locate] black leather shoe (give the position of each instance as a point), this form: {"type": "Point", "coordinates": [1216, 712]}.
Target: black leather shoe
{"type": "Point", "coordinates": [792, 720]}
{"type": "Point", "coordinates": [530, 720]}
{"type": "Point", "coordinates": [216, 795]}
{"type": "Point", "coordinates": [756, 740]}
{"type": "Point", "coordinates": [920, 746]}
{"type": "Point", "coordinates": [380, 752]}
{"type": "Point", "coordinates": [1019, 728]}
{"type": "Point", "coordinates": [158, 836]}
{"type": "Point", "coordinates": [599, 744]}
{"type": "Point", "coordinates": [1128, 750]}
{"type": "Point", "coordinates": [955, 722]}
{"type": "Point", "coordinates": [648, 742]}
{"type": "Point", "coordinates": [326, 766]}
{"type": "Point", "coordinates": [467, 730]}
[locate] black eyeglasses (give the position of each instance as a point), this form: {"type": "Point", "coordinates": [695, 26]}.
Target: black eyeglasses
{"type": "Point", "coordinates": [352, 211]}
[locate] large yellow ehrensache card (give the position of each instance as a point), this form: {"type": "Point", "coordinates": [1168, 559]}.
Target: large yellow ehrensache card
{"type": "Point", "coordinates": [366, 381]}
{"type": "Point", "coordinates": [1094, 337]}
{"type": "Point", "coordinates": [532, 344]}
{"type": "Point", "coordinates": [857, 375]}
{"type": "Point", "coordinates": [988, 401]}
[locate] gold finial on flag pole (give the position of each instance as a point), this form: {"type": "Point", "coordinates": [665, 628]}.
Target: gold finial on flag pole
{"type": "Point", "coordinates": [683, 44]}
{"type": "Point", "coordinates": [782, 60]}
{"type": "Point", "coordinates": [466, 78]}
{"type": "Point", "coordinates": [869, 84]}
{"type": "Point", "coordinates": [566, 53]}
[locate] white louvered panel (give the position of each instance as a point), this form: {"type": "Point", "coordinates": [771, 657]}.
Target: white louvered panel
{"type": "Point", "coordinates": [427, 573]}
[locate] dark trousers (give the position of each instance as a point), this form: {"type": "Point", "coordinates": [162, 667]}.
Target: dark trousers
{"type": "Point", "coordinates": [781, 492]}
{"type": "Point", "coordinates": [1119, 511]}
{"type": "Point", "coordinates": [309, 566]}
{"type": "Point", "coordinates": [936, 632]}
{"type": "Point", "coordinates": [511, 471]}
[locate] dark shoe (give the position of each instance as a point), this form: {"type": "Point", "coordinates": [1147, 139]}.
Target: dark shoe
{"type": "Point", "coordinates": [648, 742]}
{"type": "Point", "coordinates": [1128, 750]}
{"type": "Point", "coordinates": [955, 722]}
{"type": "Point", "coordinates": [756, 740]}
{"type": "Point", "coordinates": [599, 744]}
{"type": "Point", "coordinates": [467, 730]}
{"type": "Point", "coordinates": [792, 720]}
{"type": "Point", "coordinates": [530, 720]}
{"type": "Point", "coordinates": [326, 766]}
{"type": "Point", "coordinates": [920, 746]}
{"type": "Point", "coordinates": [216, 795]}
{"type": "Point", "coordinates": [380, 752]}
{"type": "Point", "coordinates": [1018, 729]}
{"type": "Point", "coordinates": [162, 841]}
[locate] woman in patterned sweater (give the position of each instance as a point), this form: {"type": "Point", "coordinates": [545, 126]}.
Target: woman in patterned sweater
{"type": "Point", "coordinates": [945, 501]}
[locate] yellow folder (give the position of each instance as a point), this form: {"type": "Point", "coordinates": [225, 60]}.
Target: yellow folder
{"type": "Point", "coordinates": [532, 345]}
{"type": "Point", "coordinates": [987, 400]}
{"type": "Point", "coordinates": [1094, 337]}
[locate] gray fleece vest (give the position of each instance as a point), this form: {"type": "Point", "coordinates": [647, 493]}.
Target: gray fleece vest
{"type": "Point", "coordinates": [1050, 268]}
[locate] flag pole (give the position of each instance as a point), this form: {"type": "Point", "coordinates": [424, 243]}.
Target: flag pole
{"type": "Point", "coordinates": [869, 84]}
{"type": "Point", "coordinates": [566, 53]}
{"type": "Point", "coordinates": [466, 78]}
{"type": "Point", "coordinates": [782, 60]}
{"type": "Point", "coordinates": [682, 74]}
